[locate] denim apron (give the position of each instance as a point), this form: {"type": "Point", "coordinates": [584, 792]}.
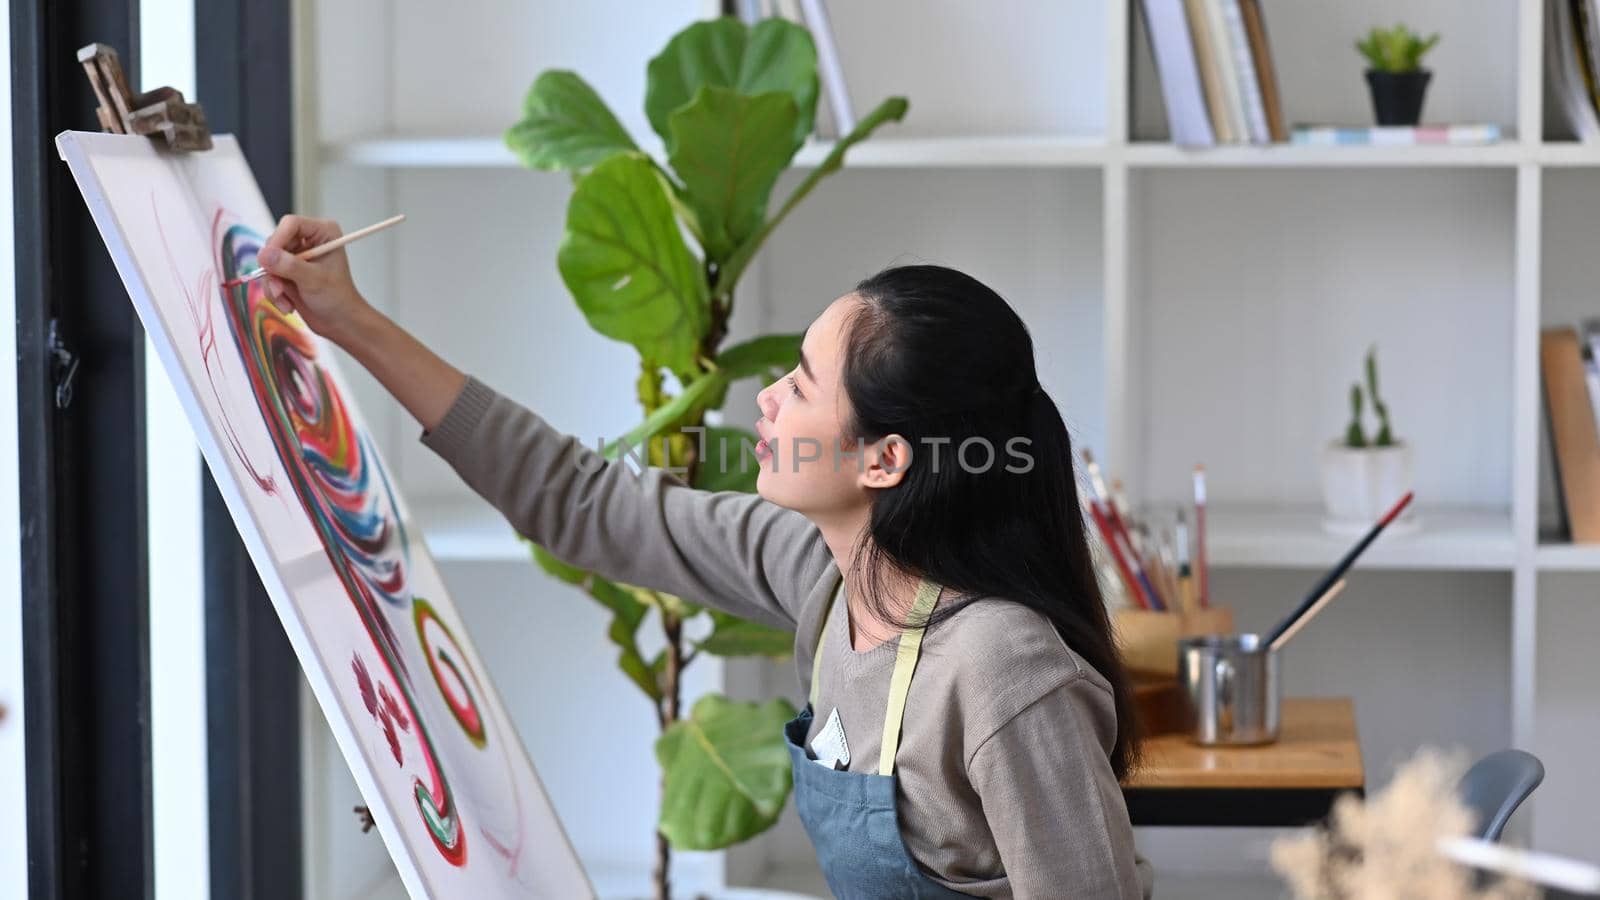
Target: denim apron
{"type": "Point", "coordinates": [851, 816]}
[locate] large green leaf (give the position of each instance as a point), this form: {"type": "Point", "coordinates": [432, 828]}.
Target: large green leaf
{"type": "Point", "coordinates": [767, 354]}
{"type": "Point", "coordinates": [725, 772]}
{"type": "Point", "coordinates": [729, 150]}
{"type": "Point", "coordinates": [763, 357]}
{"type": "Point", "coordinates": [625, 261]}
{"type": "Point", "coordinates": [760, 356]}
{"type": "Point", "coordinates": [890, 110]}
{"type": "Point", "coordinates": [626, 615]}
{"type": "Point", "coordinates": [733, 636]}
{"type": "Point", "coordinates": [565, 125]}
{"type": "Point", "coordinates": [727, 460]}
{"type": "Point", "coordinates": [774, 55]}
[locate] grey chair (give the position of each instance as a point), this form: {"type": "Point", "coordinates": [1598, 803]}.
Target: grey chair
{"type": "Point", "coordinates": [1496, 785]}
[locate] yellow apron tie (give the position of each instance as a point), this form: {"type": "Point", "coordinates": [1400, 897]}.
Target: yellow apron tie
{"type": "Point", "coordinates": [905, 662]}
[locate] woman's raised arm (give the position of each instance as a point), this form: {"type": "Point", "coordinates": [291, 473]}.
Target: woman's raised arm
{"type": "Point", "coordinates": [729, 550]}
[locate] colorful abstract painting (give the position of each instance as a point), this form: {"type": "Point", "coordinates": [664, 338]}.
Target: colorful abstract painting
{"type": "Point", "coordinates": [455, 797]}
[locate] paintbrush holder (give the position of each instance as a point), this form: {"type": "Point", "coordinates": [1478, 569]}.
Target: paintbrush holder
{"type": "Point", "coordinates": [1148, 640]}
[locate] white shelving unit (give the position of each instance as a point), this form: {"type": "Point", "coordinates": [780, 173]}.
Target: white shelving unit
{"type": "Point", "coordinates": [1187, 306]}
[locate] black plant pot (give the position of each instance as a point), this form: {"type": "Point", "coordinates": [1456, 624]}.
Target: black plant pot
{"type": "Point", "coordinates": [1397, 96]}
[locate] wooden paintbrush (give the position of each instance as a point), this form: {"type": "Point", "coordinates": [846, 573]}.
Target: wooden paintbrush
{"type": "Point", "coordinates": [322, 249]}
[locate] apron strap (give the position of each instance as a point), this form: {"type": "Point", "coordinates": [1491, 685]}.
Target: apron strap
{"type": "Point", "coordinates": [822, 641]}
{"type": "Point", "coordinates": [905, 663]}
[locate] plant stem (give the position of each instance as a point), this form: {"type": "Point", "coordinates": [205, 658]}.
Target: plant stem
{"type": "Point", "coordinates": [670, 697]}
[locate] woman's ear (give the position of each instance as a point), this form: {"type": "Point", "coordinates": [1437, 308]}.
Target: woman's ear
{"type": "Point", "coordinates": [887, 462]}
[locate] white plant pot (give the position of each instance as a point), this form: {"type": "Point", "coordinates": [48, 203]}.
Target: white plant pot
{"type": "Point", "coordinates": [1359, 485]}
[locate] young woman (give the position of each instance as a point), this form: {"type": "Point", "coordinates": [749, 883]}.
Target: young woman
{"type": "Point", "coordinates": [916, 515]}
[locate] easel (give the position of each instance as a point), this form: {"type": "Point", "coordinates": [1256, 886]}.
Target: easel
{"type": "Point", "coordinates": [159, 113]}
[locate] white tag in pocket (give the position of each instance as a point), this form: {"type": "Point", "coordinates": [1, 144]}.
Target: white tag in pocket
{"type": "Point", "coordinates": [829, 746]}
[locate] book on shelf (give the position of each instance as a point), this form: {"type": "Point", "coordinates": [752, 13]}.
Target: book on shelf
{"type": "Point", "coordinates": [1228, 66]}
{"type": "Point", "coordinates": [1255, 112]}
{"type": "Point", "coordinates": [1570, 62]}
{"type": "Point", "coordinates": [830, 71]}
{"type": "Point", "coordinates": [1255, 23]}
{"type": "Point", "coordinates": [1181, 91]}
{"type": "Point", "coordinates": [1574, 433]}
{"type": "Point", "coordinates": [1214, 63]}
{"type": "Point", "coordinates": [1206, 51]}
{"type": "Point", "coordinates": [1395, 135]}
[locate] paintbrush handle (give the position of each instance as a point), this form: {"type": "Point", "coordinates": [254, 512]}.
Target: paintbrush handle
{"type": "Point", "coordinates": [326, 248]}
{"type": "Point", "coordinates": [336, 243]}
{"type": "Point", "coordinates": [1294, 627]}
{"type": "Point", "coordinates": [1339, 569]}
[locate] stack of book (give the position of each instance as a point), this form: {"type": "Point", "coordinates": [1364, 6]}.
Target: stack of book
{"type": "Point", "coordinates": [1216, 71]}
{"type": "Point", "coordinates": [1571, 365]}
{"type": "Point", "coordinates": [835, 116]}
{"type": "Point", "coordinates": [1572, 56]}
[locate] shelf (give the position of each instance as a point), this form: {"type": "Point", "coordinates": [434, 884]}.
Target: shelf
{"type": "Point", "coordinates": [1005, 152]}
{"type": "Point", "coordinates": [422, 152]}
{"type": "Point", "coordinates": [489, 151]}
{"type": "Point", "coordinates": [1461, 540]}
{"type": "Point", "coordinates": [1568, 557]}
{"type": "Point", "coordinates": [1569, 154]}
{"type": "Point", "coordinates": [1307, 156]}
{"type": "Point", "coordinates": [1020, 152]}
{"type": "Point", "coordinates": [1449, 539]}
{"type": "Point", "coordinates": [469, 532]}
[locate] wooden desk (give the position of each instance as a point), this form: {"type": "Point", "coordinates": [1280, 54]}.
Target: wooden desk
{"type": "Point", "coordinates": [1291, 782]}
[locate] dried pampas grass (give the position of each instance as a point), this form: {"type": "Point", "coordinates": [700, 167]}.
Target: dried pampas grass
{"type": "Point", "coordinates": [1386, 847]}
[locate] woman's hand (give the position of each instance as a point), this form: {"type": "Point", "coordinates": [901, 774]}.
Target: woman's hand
{"type": "Point", "coordinates": [320, 290]}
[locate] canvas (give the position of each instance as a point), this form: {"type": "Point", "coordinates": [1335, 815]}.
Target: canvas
{"type": "Point", "coordinates": [450, 785]}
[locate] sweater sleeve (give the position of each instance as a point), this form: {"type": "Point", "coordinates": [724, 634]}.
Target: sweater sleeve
{"type": "Point", "coordinates": [726, 549]}
{"type": "Point", "coordinates": [1052, 801]}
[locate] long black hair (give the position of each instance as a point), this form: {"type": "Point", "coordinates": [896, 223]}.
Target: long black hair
{"type": "Point", "coordinates": [934, 355]}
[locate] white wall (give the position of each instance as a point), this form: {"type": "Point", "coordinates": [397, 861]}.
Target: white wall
{"type": "Point", "coordinates": [178, 674]}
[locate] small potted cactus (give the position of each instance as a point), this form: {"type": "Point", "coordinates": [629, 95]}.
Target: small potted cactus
{"type": "Point", "coordinates": [1362, 477]}
{"type": "Point", "coordinates": [1395, 74]}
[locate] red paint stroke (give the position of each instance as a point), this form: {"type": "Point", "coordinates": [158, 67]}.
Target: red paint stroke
{"type": "Point", "coordinates": [382, 706]}
{"type": "Point", "coordinates": [205, 331]}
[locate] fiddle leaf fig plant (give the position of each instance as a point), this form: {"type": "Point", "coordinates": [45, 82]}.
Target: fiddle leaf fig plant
{"type": "Point", "coordinates": [652, 254]}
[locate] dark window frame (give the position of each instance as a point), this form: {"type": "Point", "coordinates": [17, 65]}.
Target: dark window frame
{"type": "Point", "coordinates": [253, 691]}
{"type": "Point", "coordinates": [84, 551]}
{"type": "Point", "coordinates": [85, 611]}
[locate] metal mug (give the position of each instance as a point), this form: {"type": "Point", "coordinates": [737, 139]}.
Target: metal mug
{"type": "Point", "coordinates": [1229, 687]}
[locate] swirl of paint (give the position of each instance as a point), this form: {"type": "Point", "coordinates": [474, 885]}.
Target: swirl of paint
{"type": "Point", "coordinates": [342, 484]}
{"type": "Point", "coordinates": [351, 493]}
{"type": "Point", "coordinates": [443, 652]}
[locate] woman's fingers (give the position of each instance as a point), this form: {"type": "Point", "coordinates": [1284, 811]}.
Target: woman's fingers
{"type": "Point", "coordinates": [287, 266]}
{"type": "Point", "coordinates": [295, 234]}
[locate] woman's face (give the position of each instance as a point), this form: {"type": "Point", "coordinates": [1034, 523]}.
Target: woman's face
{"type": "Point", "coordinates": [806, 464]}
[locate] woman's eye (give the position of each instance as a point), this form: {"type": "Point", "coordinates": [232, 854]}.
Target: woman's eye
{"type": "Point", "coordinates": [794, 388]}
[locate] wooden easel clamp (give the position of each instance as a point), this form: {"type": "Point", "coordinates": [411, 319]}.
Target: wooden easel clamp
{"type": "Point", "coordinates": [159, 113]}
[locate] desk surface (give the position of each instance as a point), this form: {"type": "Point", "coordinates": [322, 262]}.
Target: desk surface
{"type": "Point", "coordinates": [1317, 748]}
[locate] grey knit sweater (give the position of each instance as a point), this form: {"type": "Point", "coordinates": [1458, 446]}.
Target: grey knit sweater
{"type": "Point", "coordinates": [1006, 789]}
